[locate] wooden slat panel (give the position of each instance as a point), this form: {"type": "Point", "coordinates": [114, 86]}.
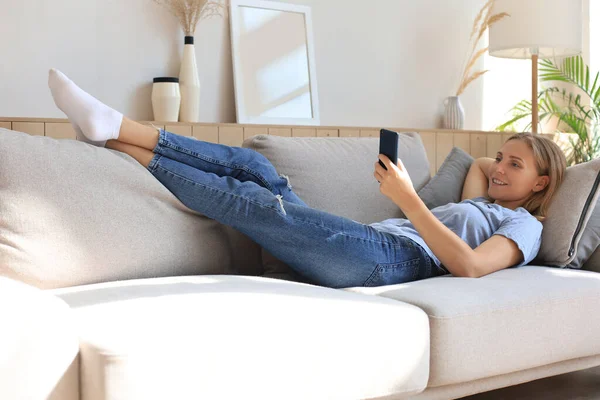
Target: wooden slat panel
{"type": "Point", "coordinates": [285, 132]}
{"type": "Point", "coordinates": [253, 131]}
{"type": "Point", "coordinates": [494, 142]}
{"type": "Point", "coordinates": [231, 136]}
{"type": "Point", "coordinates": [33, 128]}
{"type": "Point", "coordinates": [463, 141]}
{"type": "Point", "coordinates": [437, 143]}
{"type": "Point", "coordinates": [369, 133]}
{"type": "Point", "coordinates": [428, 139]}
{"type": "Point", "coordinates": [304, 132]}
{"type": "Point", "coordinates": [60, 130]}
{"type": "Point", "coordinates": [206, 133]}
{"type": "Point", "coordinates": [349, 132]}
{"type": "Point", "coordinates": [328, 133]}
{"type": "Point", "coordinates": [30, 119]}
{"type": "Point", "coordinates": [443, 144]}
{"type": "Point", "coordinates": [179, 129]}
{"type": "Point", "coordinates": [478, 145]}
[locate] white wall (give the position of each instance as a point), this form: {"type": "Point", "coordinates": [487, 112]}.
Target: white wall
{"type": "Point", "coordinates": [593, 58]}
{"type": "Point", "coordinates": [379, 63]}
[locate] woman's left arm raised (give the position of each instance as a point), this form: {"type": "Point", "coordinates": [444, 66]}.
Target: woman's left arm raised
{"type": "Point", "coordinates": [456, 255]}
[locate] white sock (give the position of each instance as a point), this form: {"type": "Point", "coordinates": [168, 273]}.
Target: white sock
{"type": "Point", "coordinates": [94, 119]}
{"type": "Point", "coordinates": [81, 137]}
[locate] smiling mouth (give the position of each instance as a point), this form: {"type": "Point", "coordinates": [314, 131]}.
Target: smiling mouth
{"type": "Point", "coordinates": [498, 183]}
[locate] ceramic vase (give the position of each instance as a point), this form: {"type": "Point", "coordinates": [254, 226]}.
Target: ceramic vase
{"type": "Point", "coordinates": [166, 99]}
{"type": "Point", "coordinates": [454, 114]}
{"type": "Point", "coordinates": [189, 83]}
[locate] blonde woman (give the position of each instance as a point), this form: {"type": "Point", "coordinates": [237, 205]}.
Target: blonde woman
{"type": "Point", "coordinates": [496, 225]}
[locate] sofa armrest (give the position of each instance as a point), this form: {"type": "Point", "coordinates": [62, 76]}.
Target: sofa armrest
{"type": "Point", "coordinates": [39, 344]}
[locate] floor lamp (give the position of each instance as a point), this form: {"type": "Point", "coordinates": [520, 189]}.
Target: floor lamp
{"type": "Point", "coordinates": [534, 29]}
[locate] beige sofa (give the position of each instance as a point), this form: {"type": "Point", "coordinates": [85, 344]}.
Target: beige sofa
{"type": "Point", "coordinates": [102, 314]}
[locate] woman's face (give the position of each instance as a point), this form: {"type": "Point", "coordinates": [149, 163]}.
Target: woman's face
{"type": "Point", "coordinates": [515, 168]}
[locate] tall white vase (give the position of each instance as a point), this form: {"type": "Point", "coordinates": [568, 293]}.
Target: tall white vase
{"type": "Point", "coordinates": [189, 84]}
{"type": "Point", "coordinates": [454, 115]}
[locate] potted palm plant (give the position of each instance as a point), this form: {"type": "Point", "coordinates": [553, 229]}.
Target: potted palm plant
{"type": "Point", "coordinates": [576, 112]}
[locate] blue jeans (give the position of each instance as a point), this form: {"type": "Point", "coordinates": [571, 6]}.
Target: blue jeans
{"type": "Point", "coordinates": [239, 187]}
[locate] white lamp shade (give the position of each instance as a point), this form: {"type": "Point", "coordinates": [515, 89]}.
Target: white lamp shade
{"type": "Point", "coordinates": [553, 28]}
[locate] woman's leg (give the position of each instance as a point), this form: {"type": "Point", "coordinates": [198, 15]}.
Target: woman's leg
{"type": "Point", "coordinates": [143, 156]}
{"type": "Point", "coordinates": [100, 123]}
{"type": "Point", "coordinates": [240, 163]}
{"type": "Point", "coordinates": [139, 135]}
{"type": "Point", "coordinates": [327, 249]}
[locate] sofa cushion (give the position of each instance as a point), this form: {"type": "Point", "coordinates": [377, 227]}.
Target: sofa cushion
{"type": "Point", "coordinates": [593, 262]}
{"type": "Point", "coordinates": [336, 174]}
{"type": "Point", "coordinates": [73, 213]}
{"type": "Point", "coordinates": [447, 184]}
{"type": "Point", "coordinates": [38, 345]}
{"type": "Point", "coordinates": [568, 214]}
{"type": "Point", "coordinates": [512, 320]}
{"type": "Point", "coordinates": [234, 337]}
{"type": "Point", "coordinates": [589, 242]}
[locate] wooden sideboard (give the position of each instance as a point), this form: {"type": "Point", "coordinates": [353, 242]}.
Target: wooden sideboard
{"type": "Point", "coordinates": [438, 142]}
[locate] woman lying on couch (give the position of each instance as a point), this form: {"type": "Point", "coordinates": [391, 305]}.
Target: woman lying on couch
{"type": "Point", "coordinates": [239, 187]}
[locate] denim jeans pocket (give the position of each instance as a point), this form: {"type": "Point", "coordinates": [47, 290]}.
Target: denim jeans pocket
{"type": "Point", "coordinates": [393, 273]}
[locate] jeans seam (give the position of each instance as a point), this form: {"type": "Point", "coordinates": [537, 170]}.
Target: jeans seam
{"type": "Point", "coordinates": [277, 210]}
{"type": "Point", "coordinates": [166, 143]}
{"type": "Point", "coordinates": [154, 162]}
{"type": "Point", "coordinates": [371, 240]}
{"type": "Point", "coordinates": [378, 268]}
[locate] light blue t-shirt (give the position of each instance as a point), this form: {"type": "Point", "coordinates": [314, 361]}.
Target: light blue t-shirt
{"type": "Point", "coordinates": [475, 221]}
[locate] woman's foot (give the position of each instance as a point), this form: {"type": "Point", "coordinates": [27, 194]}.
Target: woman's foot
{"type": "Point", "coordinates": [81, 137]}
{"type": "Point", "coordinates": [90, 117]}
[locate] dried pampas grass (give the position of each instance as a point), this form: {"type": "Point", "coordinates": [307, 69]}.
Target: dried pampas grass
{"type": "Point", "coordinates": [483, 21]}
{"type": "Point", "coordinates": [190, 12]}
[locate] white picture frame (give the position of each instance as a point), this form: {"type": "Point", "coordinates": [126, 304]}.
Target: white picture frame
{"type": "Point", "coordinates": [252, 103]}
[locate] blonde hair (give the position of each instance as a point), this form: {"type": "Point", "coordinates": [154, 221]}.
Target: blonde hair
{"type": "Point", "coordinates": [549, 160]}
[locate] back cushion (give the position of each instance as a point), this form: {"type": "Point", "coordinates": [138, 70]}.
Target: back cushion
{"type": "Point", "coordinates": [568, 215]}
{"type": "Point", "coordinates": [336, 174]}
{"type": "Point", "coordinates": [73, 214]}
{"type": "Point", "coordinates": [593, 263]}
{"type": "Point", "coordinates": [588, 249]}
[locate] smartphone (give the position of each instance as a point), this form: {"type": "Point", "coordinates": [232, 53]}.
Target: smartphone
{"type": "Point", "coordinates": [388, 145]}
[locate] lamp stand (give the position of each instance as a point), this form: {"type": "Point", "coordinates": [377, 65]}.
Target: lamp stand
{"type": "Point", "coordinates": [534, 93]}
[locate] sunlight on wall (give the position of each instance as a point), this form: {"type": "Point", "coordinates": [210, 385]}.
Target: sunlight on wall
{"type": "Point", "coordinates": [507, 83]}
{"type": "Point", "coordinates": [276, 77]}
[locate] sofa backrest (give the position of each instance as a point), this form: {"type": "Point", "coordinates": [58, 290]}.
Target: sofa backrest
{"type": "Point", "coordinates": [336, 174]}
{"type": "Point", "coordinates": [73, 214]}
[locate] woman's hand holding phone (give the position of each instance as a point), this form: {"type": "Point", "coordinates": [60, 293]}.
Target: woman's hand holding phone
{"type": "Point", "coordinates": [393, 179]}
{"type": "Point", "coordinates": [394, 183]}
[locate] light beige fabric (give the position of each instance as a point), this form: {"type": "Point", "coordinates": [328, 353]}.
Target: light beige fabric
{"type": "Point", "coordinates": [233, 337]}
{"type": "Point", "coordinates": [68, 387]}
{"type": "Point", "coordinates": [500, 381]}
{"type": "Point", "coordinates": [38, 345]}
{"type": "Point", "coordinates": [513, 319]}
{"type": "Point", "coordinates": [336, 174]}
{"type": "Point", "coordinates": [593, 263]}
{"type": "Point", "coordinates": [73, 214]}
{"type": "Point", "coordinates": [568, 210]}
